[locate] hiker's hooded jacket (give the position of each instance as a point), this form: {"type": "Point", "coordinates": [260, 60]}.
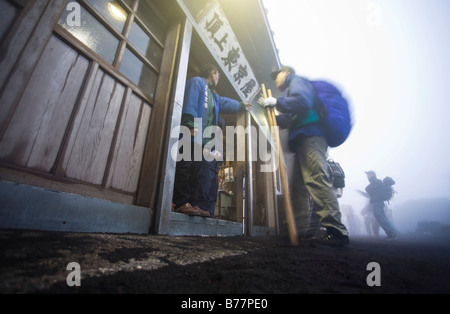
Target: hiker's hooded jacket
{"type": "Point", "coordinates": [297, 101]}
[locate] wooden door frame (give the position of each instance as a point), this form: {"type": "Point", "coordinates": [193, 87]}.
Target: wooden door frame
{"type": "Point", "coordinates": [164, 116]}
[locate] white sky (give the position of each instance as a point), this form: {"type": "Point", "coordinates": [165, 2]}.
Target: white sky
{"type": "Point", "coordinates": [392, 60]}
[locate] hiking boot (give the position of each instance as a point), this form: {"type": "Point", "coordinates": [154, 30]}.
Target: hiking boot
{"type": "Point", "coordinates": [334, 239]}
{"type": "Point", "coordinates": [307, 236]}
{"type": "Point", "coordinates": [392, 238]}
{"type": "Point", "coordinates": [187, 209]}
{"type": "Point", "coordinates": [202, 212]}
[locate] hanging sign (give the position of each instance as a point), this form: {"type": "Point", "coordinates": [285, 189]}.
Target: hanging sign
{"type": "Point", "coordinates": [220, 37]}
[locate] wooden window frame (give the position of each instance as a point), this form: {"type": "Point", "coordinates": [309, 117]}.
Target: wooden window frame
{"type": "Point", "coordinates": [114, 68]}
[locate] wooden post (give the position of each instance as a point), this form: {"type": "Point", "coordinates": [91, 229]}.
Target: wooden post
{"type": "Point", "coordinates": [292, 228]}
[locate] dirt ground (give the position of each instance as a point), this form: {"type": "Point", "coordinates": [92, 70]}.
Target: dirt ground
{"type": "Point", "coordinates": [36, 263]}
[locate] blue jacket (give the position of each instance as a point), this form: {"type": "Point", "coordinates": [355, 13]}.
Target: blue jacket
{"type": "Point", "coordinates": [298, 99]}
{"type": "Point", "coordinates": [194, 103]}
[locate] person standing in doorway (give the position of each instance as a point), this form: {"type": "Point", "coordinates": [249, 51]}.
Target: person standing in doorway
{"type": "Point", "coordinates": [195, 178]}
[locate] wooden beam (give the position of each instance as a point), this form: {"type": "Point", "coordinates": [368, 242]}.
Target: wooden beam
{"type": "Point", "coordinates": [158, 130]}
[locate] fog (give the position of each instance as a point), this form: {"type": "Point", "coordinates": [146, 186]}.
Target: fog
{"type": "Point", "coordinates": [392, 60]}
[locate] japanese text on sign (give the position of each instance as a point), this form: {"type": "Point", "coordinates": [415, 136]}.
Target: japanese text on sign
{"type": "Point", "coordinates": [223, 41]}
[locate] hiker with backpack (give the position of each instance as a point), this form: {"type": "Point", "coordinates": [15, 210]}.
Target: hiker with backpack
{"type": "Point", "coordinates": [379, 192]}
{"type": "Point", "coordinates": [308, 140]}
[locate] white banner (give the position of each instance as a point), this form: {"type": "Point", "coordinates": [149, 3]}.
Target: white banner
{"type": "Point", "coordinates": [222, 40]}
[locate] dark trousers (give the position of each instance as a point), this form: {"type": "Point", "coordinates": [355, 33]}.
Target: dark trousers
{"type": "Point", "coordinates": [207, 185]}
{"type": "Point", "coordinates": [380, 215]}
{"type": "Point", "coordinates": [185, 180]}
{"type": "Point", "coordinates": [196, 182]}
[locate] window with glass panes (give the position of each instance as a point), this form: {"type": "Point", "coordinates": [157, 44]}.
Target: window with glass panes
{"type": "Point", "coordinates": [128, 34]}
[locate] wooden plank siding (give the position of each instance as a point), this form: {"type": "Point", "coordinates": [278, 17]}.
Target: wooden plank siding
{"type": "Point", "coordinates": [19, 62]}
{"type": "Point", "coordinates": [37, 127]}
{"type": "Point", "coordinates": [91, 138]}
{"type": "Point", "coordinates": [68, 120]}
{"type": "Point", "coordinates": [17, 38]}
{"type": "Point", "coordinates": [129, 150]}
{"type": "Point", "coordinates": [109, 127]}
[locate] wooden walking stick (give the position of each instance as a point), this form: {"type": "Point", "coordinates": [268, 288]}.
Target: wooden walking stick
{"type": "Point", "coordinates": [292, 228]}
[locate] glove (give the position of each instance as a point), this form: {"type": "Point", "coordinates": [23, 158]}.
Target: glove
{"type": "Point", "coordinates": [268, 102]}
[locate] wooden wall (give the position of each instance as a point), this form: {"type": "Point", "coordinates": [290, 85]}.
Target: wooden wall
{"type": "Point", "coordinates": [70, 122]}
{"type": "Point", "coordinates": [67, 121]}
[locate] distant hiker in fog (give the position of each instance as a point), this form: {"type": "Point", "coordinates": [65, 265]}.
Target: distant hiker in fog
{"type": "Point", "coordinates": [376, 192]}
{"type": "Point", "coordinates": [370, 222]}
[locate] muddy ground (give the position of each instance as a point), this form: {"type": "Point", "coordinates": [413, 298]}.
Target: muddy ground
{"type": "Point", "coordinates": [36, 263]}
